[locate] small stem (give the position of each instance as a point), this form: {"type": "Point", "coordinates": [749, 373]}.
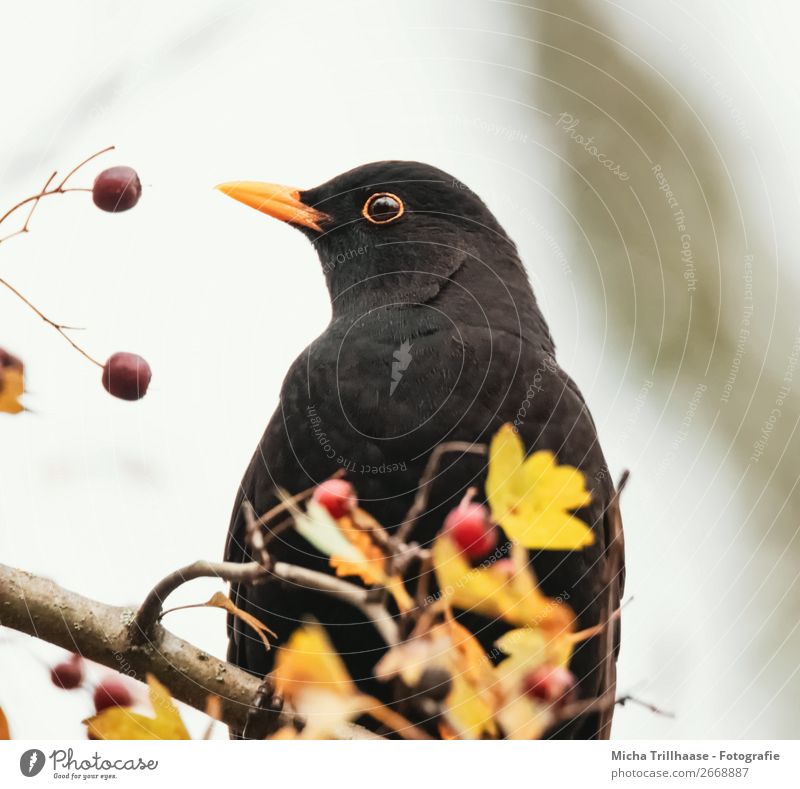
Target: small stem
{"type": "Point", "coordinates": [421, 498]}
{"type": "Point", "coordinates": [60, 328]}
{"type": "Point", "coordinates": [150, 610]}
{"type": "Point", "coordinates": [623, 700]}
{"type": "Point", "coordinates": [77, 167]}
{"type": "Point", "coordinates": [233, 572]}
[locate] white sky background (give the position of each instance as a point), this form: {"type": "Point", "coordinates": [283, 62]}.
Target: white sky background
{"type": "Point", "coordinates": [106, 497]}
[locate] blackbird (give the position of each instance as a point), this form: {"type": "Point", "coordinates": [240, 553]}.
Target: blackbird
{"type": "Point", "coordinates": [435, 336]}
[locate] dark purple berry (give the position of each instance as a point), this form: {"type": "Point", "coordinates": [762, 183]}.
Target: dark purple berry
{"type": "Point", "coordinates": [117, 189]}
{"type": "Point", "coordinates": [127, 376]}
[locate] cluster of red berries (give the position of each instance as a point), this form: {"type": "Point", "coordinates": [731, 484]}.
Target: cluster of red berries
{"type": "Point", "coordinates": [125, 375]}
{"type": "Point", "coordinates": [471, 529]}
{"type": "Point", "coordinates": [111, 691]}
{"type": "Point", "coordinates": [469, 525]}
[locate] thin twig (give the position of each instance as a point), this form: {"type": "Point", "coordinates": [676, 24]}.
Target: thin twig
{"type": "Point", "coordinates": [432, 466]}
{"type": "Point", "coordinates": [34, 201]}
{"type": "Point", "coordinates": [60, 328]}
{"type": "Point", "coordinates": [628, 699]}
{"type": "Point", "coordinates": [81, 164]}
{"type": "Point", "coordinates": [143, 624]}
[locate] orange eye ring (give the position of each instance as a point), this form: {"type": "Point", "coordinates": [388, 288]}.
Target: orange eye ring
{"type": "Point", "coordinates": [365, 211]}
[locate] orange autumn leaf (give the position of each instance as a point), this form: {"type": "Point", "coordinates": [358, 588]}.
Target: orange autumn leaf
{"type": "Point", "coordinates": [472, 660]}
{"type": "Point", "coordinates": [5, 734]}
{"type": "Point", "coordinates": [369, 567]}
{"type": "Point", "coordinates": [11, 388]}
{"type": "Point", "coordinates": [220, 600]}
{"type": "Point", "coordinates": [119, 723]}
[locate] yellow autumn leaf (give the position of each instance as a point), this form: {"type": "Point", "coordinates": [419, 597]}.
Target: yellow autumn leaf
{"type": "Point", "coordinates": [309, 660]}
{"type": "Point", "coordinates": [531, 498]}
{"type": "Point", "coordinates": [469, 658]}
{"type": "Point", "coordinates": [467, 711]}
{"type": "Point", "coordinates": [119, 723]}
{"type": "Point", "coordinates": [11, 388]}
{"type": "Point", "coordinates": [313, 679]}
{"type": "Point", "coordinates": [526, 649]}
{"type": "Point", "coordinates": [524, 719]}
{"type": "Point", "coordinates": [494, 591]}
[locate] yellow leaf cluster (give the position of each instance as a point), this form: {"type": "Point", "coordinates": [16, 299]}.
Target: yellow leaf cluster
{"type": "Point", "coordinates": [505, 590]}
{"type": "Point", "coordinates": [532, 498]}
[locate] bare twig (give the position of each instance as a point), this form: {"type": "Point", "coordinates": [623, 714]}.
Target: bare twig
{"type": "Point", "coordinates": [604, 703]}
{"type": "Point", "coordinates": [423, 488]}
{"type": "Point", "coordinates": [143, 625]}
{"type": "Point", "coordinates": [628, 699]}
{"type": "Point", "coordinates": [77, 167]}
{"type": "Point", "coordinates": [46, 192]}
{"type": "Point", "coordinates": [59, 327]}
{"type": "Point", "coordinates": [33, 201]}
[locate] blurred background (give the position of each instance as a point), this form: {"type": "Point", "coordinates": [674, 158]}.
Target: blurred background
{"type": "Point", "coordinates": [645, 158]}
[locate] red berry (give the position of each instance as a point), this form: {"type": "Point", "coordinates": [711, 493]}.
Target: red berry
{"type": "Point", "coordinates": [471, 529]}
{"type": "Point", "coordinates": [67, 675]}
{"type": "Point", "coordinates": [550, 684]}
{"type": "Point", "coordinates": [127, 376]}
{"type": "Point", "coordinates": [338, 496]}
{"type": "Point", "coordinates": [117, 189]}
{"type": "Point", "coordinates": [111, 692]}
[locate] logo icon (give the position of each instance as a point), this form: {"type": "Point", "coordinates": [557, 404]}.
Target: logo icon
{"type": "Point", "coordinates": [402, 358]}
{"type": "Point", "coordinates": [31, 762]}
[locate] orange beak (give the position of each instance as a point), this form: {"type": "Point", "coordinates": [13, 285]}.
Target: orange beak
{"type": "Point", "coordinates": [282, 202]}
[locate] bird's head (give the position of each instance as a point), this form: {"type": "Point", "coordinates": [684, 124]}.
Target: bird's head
{"type": "Point", "coordinates": [394, 233]}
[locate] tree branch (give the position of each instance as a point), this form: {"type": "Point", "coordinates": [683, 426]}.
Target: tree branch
{"type": "Point", "coordinates": [99, 632]}
{"type": "Point", "coordinates": [146, 619]}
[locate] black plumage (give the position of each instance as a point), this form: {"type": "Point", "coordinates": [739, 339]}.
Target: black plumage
{"type": "Point", "coordinates": [435, 336]}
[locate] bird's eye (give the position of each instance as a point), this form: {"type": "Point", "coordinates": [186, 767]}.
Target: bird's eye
{"type": "Point", "coordinates": [382, 208]}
